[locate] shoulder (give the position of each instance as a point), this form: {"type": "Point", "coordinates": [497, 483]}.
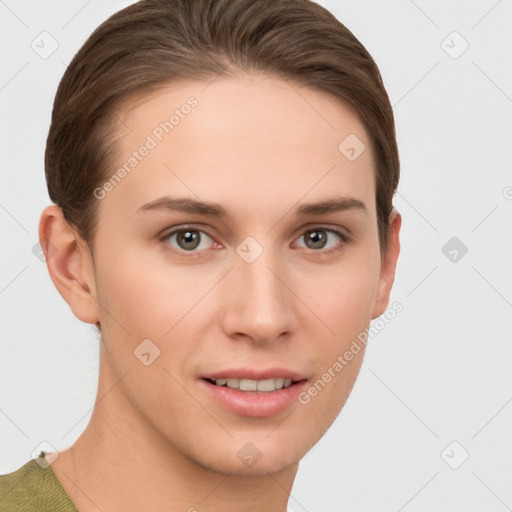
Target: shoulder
{"type": "Point", "coordinates": [33, 487]}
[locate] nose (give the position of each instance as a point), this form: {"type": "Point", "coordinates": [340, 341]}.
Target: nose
{"type": "Point", "coordinates": [261, 306]}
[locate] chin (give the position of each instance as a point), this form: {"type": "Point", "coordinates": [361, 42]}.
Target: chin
{"type": "Point", "coordinates": [260, 469]}
{"type": "Point", "coordinates": [251, 456]}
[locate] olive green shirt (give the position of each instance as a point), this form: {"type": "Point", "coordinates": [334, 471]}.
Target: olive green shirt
{"type": "Point", "coordinates": [34, 487]}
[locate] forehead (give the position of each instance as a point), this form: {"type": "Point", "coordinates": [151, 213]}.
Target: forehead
{"type": "Point", "coordinates": [241, 140]}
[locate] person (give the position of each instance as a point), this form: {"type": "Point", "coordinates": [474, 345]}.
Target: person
{"type": "Point", "coordinates": [222, 175]}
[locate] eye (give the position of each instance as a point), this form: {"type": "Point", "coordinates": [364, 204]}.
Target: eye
{"type": "Point", "coordinates": [318, 238]}
{"type": "Point", "coordinates": [192, 240]}
{"type": "Point", "coordinates": [187, 239]}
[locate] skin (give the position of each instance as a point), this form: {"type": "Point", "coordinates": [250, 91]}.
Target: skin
{"type": "Point", "coordinates": [259, 147]}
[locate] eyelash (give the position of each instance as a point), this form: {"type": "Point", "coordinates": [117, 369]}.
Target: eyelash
{"type": "Point", "coordinates": [344, 238]}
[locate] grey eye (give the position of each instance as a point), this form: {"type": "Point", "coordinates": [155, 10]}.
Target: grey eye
{"type": "Point", "coordinates": [318, 238]}
{"type": "Point", "coordinates": [187, 239]}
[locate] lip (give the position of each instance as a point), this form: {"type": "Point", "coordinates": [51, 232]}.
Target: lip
{"type": "Point", "coordinates": [254, 404]}
{"type": "Point", "coordinates": [253, 374]}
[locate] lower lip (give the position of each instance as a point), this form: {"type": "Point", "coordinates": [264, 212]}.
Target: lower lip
{"type": "Point", "coordinates": [252, 403]}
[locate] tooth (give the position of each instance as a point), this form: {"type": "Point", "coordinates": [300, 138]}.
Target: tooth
{"type": "Point", "coordinates": [266, 385]}
{"type": "Point", "coordinates": [248, 385]}
{"type": "Point", "coordinates": [232, 383]}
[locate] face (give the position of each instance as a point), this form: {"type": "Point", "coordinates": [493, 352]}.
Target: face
{"type": "Point", "coordinates": [210, 247]}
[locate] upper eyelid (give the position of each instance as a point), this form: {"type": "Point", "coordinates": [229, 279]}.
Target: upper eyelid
{"type": "Point", "coordinates": [182, 227]}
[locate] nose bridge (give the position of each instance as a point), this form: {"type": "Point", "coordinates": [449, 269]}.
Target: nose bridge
{"type": "Point", "coordinates": [260, 306]}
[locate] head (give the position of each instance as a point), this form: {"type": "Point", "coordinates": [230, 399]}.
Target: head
{"type": "Point", "coordinates": [190, 144]}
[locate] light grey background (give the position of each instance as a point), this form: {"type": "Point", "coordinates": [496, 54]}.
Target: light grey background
{"type": "Point", "coordinates": [439, 372]}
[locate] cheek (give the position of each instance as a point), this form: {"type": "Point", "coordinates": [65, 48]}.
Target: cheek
{"type": "Point", "coordinates": [148, 297]}
{"type": "Point", "coordinates": [343, 295]}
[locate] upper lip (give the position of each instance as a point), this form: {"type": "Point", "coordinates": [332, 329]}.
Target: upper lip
{"type": "Point", "coordinates": [254, 374]}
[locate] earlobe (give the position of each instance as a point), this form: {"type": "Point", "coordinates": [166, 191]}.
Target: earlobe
{"type": "Point", "coordinates": [69, 264]}
{"type": "Point", "coordinates": [388, 266]}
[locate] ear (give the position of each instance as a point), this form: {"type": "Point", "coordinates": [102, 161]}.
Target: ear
{"type": "Point", "coordinates": [69, 263]}
{"type": "Point", "coordinates": [388, 266]}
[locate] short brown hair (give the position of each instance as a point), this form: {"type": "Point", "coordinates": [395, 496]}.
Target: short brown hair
{"type": "Point", "coordinates": [154, 42]}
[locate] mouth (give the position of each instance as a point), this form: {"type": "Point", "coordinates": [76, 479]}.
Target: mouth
{"type": "Point", "coordinates": [247, 392]}
{"type": "Point", "coordinates": [252, 385]}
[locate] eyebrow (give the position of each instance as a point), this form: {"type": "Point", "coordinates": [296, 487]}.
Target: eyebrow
{"type": "Point", "coordinates": [188, 205]}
